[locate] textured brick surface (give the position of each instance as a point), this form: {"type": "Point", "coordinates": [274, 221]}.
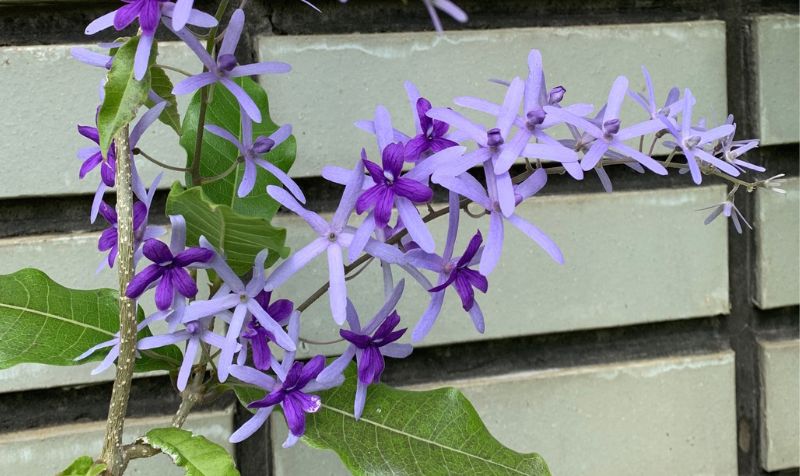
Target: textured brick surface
{"type": "Point", "coordinates": [777, 39]}
{"type": "Point", "coordinates": [45, 94]}
{"type": "Point", "coordinates": [620, 269]}
{"type": "Point", "coordinates": [594, 420]}
{"type": "Point", "coordinates": [50, 450]}
{"type": "Point", "coordinates": [338, 79]}
{"type": "Point", "coordinates": [778, 252]}
{"type": "Point", "coordinates": [780, 404]}
{"type": "Point", "coordinates": [627, 229]}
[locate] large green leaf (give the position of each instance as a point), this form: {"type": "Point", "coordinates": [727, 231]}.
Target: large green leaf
{"type": "Point", "coordinates": [43, 322]}
{"type": "Point", "coordinates": [406, 432]}
{"type": "Point", "coordinates": [240, 238]}
{"type": "Point", "coordinates": [195, 453]}
{"type": "Point", "coordinates": [123, 94]}
{"type": "Point", "coordinates": [217, 154]}
{"type": "Point", "coordinates": [84, 466]}
{"type": "Point", "coordinates": [161, 85]}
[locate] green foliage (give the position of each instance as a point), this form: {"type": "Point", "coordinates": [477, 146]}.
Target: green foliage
{"type": "Point", "coordinates": [84, 466]}
{"type": "Point", "coordinates": [161, 85]}
{"type": "Point", "coordinates": [405, 432]}
{"type": "Point", "coordinates": [123, 94]}
{"type": "Point", "coordinates": [195, 453]}
{"type": "Point", "coordinates": [43, 322]}
{"type": "Point", "coordinates": [218, 155]}
{"type": "Point", "coordinates": [238, 236]}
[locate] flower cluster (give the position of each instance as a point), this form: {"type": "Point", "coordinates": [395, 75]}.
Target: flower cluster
{"type": "Point", "coordinates": [487, 169]}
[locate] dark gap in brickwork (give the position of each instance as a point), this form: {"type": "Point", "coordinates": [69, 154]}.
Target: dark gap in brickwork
{"type": "Point", "coordinates": [150, 396]}
{"type": "Point", "coordinates": [253, 455]}
{"type": "Point", "coordinates": [778, 324]}
{"type": "Point", "coordinates": [558, 350]}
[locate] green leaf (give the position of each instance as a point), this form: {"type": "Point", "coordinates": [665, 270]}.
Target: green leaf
{"type": "Point", "coordinates": [239, 237]}
{"type": "Point", "coordinates": [405, 432]}
{"type": "Point", "coordinates": [217, 154]}
{"type": "Point", "coordinates": [199, 456]}
{"type": "Point", "coordinates": [84, 466]}
{"type": "Point", "coordinates": [45, 323]}
{"type": "Point", "coordinates": [161, 85]}
{"type": "Point", "coordinates": [123, 94]}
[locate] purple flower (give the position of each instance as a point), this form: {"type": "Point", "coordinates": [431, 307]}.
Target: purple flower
{"type": "Point", "coordinates": [390, 187]}
{"type": "Point", "coordinates": [141, 230]}
{"type": "Point", "coordinates": [610, 135]}
{"type": "Point", "coordinates": [430, 134]}
{"type": "Point", "coordinates": [92, 157]}
{"type": "Point", "coordinates": [450, 271]}
{"type": "Point", "coordinates": [672, 105]}
{"type": "Point", "coordinates": [258, 337]}
{"type": "Point", "coordinates": [252, 153]}
{"type": "Point", "coordinates": [728, 209]}
{"type": "Point", "coordinates": [691, 141]}
{"type": "Point", "coordinates": [467, 186]}
{"type": "Point", "coordinates": [149, 14]}
{"type": "Point", "coordinates": [226, 66]}
{"type": "Point", "coordinates": [730, 150]}
{"type": "Point", "coordinates": [369, 346]}
{"type": "Point", "coordinates": [234, 294]}
{"type": "Point", "coordinates": [533, 123]}
{"type": "Point", "coordinates": [291, 390]}
{"type": "Point", "coordinates": [168, 268]}
{"type": "Point", "coordinates": [332, 237]}
{"type": "Point", "coordinates": [113, 353]}
{"type": "Point", "coordinates": [108, 238]}
{"type": "Point", "coordinates": [195, 331]}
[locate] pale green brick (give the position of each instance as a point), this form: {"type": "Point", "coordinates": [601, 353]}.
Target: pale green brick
{"type": "Point", "coordinates": [777, 39]}
{"type": "Point", "coordinates": [45, 94]}
{"type": "Point", "coordinates": [338, 79]}
{"type": "Point", "coordinates": [656, 417]}
{"type": "Point", "coordinates": [777, 230]}
{"type": "Point", "coordinates": [631, 257]}
{"type": "Point", "coordinates": [49, 450]}
{"type": "Point", "coordinates": [620, 270]}
{"type": "Point", "coordinates": [780, 404]}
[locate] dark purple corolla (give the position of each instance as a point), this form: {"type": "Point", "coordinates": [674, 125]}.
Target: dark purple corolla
{"type": "Point", "coordinates": [450, 271]}
{"type": "Point", "coordinates": [462, 278]}
{"type": "Point", "coordinates": [369, 345]}
{"type": "Point", "coordinates": [257, 336]}
{"type": "Point", "coordinates": [390, 186]}
{"type": "Point", "coordinates": [430, 134]}
{"type": "Point", "coordinates": [226, 67]}
{"type": "Point", "coordinates": [108, 238]}
{"type": "Point", "coordinates": [169, 269]}
{"type": "Point", "coordinates": [291, 390]}
{"type": "Point", "coordinates": [149, 14]}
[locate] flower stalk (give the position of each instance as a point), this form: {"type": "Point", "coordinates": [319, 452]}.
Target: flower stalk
{"type": "Point", "coordinates": [112, 444]}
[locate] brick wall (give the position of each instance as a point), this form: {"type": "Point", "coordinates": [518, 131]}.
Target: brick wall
{"type": "Point", "coordinates": [662, 347]}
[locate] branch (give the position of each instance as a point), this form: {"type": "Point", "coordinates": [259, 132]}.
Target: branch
{"type": "Point", "coordinates": [112, 444]}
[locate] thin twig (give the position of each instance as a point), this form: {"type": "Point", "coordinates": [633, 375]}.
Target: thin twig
{"type": "Point", "coordinates": [228, 171]}
{"type": "Point", "coordinates": [138, 151]}
{"type": "Point", "coordinates": [172, 68]}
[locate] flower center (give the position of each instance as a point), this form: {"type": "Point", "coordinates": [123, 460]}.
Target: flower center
{"type": "Point", "coordinates": [692, 142]}
{"type": "Point", "coordinates": [535, 118]}
{"type": "Point", "coordinates": [611, 127]}
{"type": "Point", "coordinates": [226, 62]}
{"type": "Point", "coordinates": [262, 145]}
{"type": "Point", "coordinates": [494, 138]}
{"type": "Point", "coordinates": [388, 176]}
{"type": "Point", "coordinates": [193, 327]}
{"type": "Point", "coordinates": [332, 237]}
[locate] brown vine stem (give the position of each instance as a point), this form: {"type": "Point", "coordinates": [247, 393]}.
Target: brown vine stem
{"type": "Point", "coordinates": [112, 444]}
